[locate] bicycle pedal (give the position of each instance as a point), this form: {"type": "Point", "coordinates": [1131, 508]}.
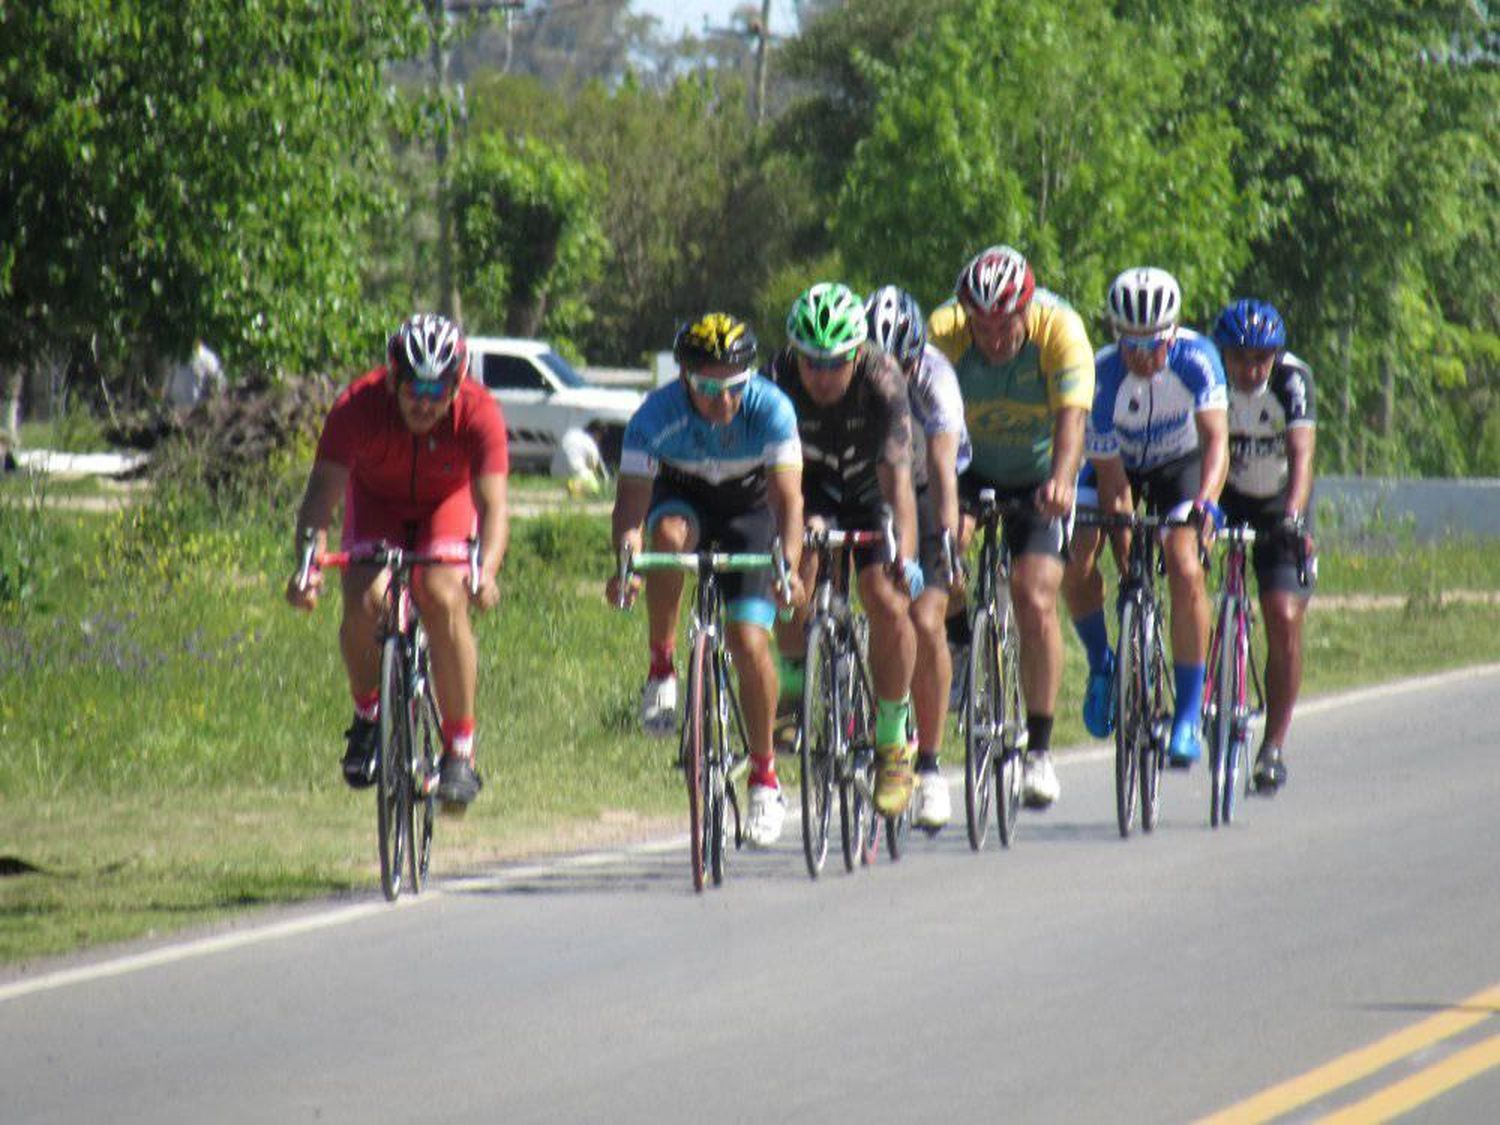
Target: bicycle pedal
{"type": "Point", "coordinates": [453, 810]}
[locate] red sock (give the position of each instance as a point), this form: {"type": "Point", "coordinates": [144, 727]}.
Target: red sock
{"type": "Point", "coordinates": [458, 737]}
{"type": "Point", "coordinates": [367, 707]}
{"type": "Point", "coordinates": [661, 662]}
{"type": "Point", "coordinates": [763, 771]}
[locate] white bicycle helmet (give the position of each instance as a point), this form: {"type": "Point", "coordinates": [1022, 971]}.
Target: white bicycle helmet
{"type": "Point", "coordinates": [428, 347]}
{"type": "Point", "coordinates": [1143, 301]}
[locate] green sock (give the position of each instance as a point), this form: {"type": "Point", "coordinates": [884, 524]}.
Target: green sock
{"type": "Point", "coordinates": [890, 722]}
{"type": "Point", "coordinates": [789, 676]}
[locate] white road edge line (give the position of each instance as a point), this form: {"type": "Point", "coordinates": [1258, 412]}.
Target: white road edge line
{"type": "Point", "coordinates": [344, 915]}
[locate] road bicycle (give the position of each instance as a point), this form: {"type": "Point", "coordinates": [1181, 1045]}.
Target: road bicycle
{"type": "Point", "coordinates": [713, 751]}
{"type": "Point", "coordinates": [1235, 698]}
{"type": "Point", "coordinates": [410, 745]}
{"type": "Point", "coordinates": [836, 723]}
{"type": "Point", "coordinates": [993, 715]}
{"type": "Point", "coordinates": [1142, 688]}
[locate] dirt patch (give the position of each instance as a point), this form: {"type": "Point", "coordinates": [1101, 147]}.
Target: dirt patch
{"type": "Point", "coordinates": [613, 828]}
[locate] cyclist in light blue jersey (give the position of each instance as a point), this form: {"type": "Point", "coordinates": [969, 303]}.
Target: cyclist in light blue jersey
{"type": "Point", "coordinates": [714, 458]}
{"type": "Point", "coordinates": [1158, 430]}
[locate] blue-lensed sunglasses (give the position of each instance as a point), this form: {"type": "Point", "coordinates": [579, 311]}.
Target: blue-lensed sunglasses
{"type": "Point", "coordinates": [433, 389]}
{"type": "Point", "coordinates": [1145, 343]}
{"type": "Point", "coordinates": [711, 388]}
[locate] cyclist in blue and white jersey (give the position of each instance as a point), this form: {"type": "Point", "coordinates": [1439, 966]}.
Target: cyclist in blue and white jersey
{"type": "Point", "coordinates": [1272, 438]}
{"type": "Point", "coordinates": [940, 451]}
{"type": "Point", "coordinates": [714, 458]}
{"type": "Point", "coordinates": [1158, 430]}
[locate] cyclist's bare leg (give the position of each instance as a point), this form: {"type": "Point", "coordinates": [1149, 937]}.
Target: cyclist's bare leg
{"type": "Point", "coordinates": [1283, 613]}
{"type": "Point", "coordinates": [1083, 582]}
{"type": "Point", "coordinates": [933, 674]}
{"type": "Point", "coordinates": [364, 594]}
{"type": "Point", "coordinates": [442, 598]}
{"type": "Point", "coordinates": [893, 641]}
{"type": "Point", "coordinates": [791, 634]}
{"type": "Point", "coordinates": [1034, 582]}
{"type": "Point", "coordinates": [664, 587]}
{"type": "Point", "coordinates": [1190, 607]}
{"type": "Point", "coordinates": [750, 645]}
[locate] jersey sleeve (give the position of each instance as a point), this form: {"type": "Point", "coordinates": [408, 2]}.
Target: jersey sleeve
{"type": "Point", "coordinates": [939, 405]}
{"type": "Point", "coordinates": [1202, 372]}
{"type": "Point", "coordinates": [488, 445]}
{"type": "Point", "coordinates": [781, 446]}
{"type": "Point", "coordinates": [894, 423]}
{"type": "Point", "coordinates": [346, 426]}
{"type": "Point", "coordinates": [1294, 386]}
{"type": "Point", "coordinates": [1100, 440]}
{"type": "Point", "coordinates": [948, 330]}
{"type": "Point", "coordinates": [638, 449]}
{"type": "Point", "coordinates": [1067, 357]}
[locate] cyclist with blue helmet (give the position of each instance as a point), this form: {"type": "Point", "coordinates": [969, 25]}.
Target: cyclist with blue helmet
{"type": "Point", "coordinates": [1158, 430]}
{"type": "Point", "coordinates": [940, 451]}
{"type": "Point", "coordinates": [1272, 438]}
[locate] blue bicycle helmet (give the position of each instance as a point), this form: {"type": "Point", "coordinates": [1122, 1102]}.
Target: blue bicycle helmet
{"type": "Point", "coordinates": [895, 323]}
{"type": "Point", "coordinates": [1249, 323]}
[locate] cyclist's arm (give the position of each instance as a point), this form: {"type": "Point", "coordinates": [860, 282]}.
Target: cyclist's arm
{"type": "Point", "coordinates": [1056, 494]}
{"type": "Point", "coordinates": [1213, 440]}
{"type": "Point", "coordinates": [1301, 443]}
{"type": "Point", "coordinates": [632, 503]}
{"type": "Point", "coordinates": [784, 490]}
{"type": "Point", "coordinates": [325, 488]}
{"type": "Point", "coordinates": [1115, 497]}
{"type": "Point", "coordinates": [895, 486]}
{"type": "Point", "coordinates": [942, 477]}
{"type": "Point", "coordinates": [492, 502]}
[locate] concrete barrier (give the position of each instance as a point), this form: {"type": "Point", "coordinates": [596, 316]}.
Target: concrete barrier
{"type": "Point", "coordinates": [1432, 509]}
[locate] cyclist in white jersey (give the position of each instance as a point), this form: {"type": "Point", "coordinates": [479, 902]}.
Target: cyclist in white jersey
{"type": "Point", "coordinates": [1272, 438]}
{"type": "Point", "coordinates": [940, 451]}
{"type": "Point", "coordinates": [1159, 430]}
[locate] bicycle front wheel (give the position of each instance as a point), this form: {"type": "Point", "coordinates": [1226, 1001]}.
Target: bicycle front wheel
{"type": "Point", "coordinates": [715, 766]}
{"type": "Point", "coordinates": [1010, 765]}
{"type": "Point", "coordinates": [1130, 705]}
{"type": "Point", "coordinates": [1159, 717]}
{"type": "Point", "coordinates": [695, 733]}
{"type": "Point", "coordinates": [392, 812]}
{"type": "Point", "coordinates": [1238, 715]}
{"type": "Point", "coordinates": [818, 743]}
{"type": "Point", "coordinates": [982, 714]}
{"type": "Point", "coordinates": [1218, 725]}
{"type": "Point", "coordinates": [422, 773]}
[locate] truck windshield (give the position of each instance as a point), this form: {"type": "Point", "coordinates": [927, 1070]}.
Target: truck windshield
{"type": "Point", "coordinates": [560, 367]}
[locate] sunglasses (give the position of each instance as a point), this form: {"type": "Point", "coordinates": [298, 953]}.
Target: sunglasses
{"type": "Point", "coordinates": [430, 389]}
{"type": "Point", "coordinates": [1145, 343]}
{"type": "Point", "coordinates": [734, 386]}
{"type": "Point", "coordinates": [825, 363]}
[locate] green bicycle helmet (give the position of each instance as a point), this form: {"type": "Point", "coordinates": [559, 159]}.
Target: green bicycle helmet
{"type": "Point", "coordinates": [827, 321]}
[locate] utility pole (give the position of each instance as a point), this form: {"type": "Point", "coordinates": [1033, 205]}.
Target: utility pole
{"type": "Point", "coordinates": [450, 303]}
{"type": "Point", "coordinates": [758, 28]}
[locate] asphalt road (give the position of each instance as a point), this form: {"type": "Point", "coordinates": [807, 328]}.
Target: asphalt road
{"type": "Point", "coordinates": [1347, 928]}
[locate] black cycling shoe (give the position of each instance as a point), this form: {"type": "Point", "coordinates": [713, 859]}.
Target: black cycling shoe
{"type": "Point", "coordinates": [1270, 772]}
{"type": "Point", "coordinates": [362, 752]}
{"type": "Point", "coordinates": [458, 783]}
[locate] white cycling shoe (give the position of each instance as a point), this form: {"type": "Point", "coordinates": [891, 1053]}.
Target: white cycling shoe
{"type": "Point", "coordinates": [1039, 787]}
{"type": "Point", "coordinates": [931, 806]}
{"type": "Point", "coordinates": [659, 707]}
{"type": "Point", "coordinates": [767, 815]}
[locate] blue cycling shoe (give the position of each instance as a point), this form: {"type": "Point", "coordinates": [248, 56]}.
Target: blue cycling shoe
{"type": "Point", "coordinates": [1098, 714]}
{"type": "Point", "coordinates": [1185, 748]}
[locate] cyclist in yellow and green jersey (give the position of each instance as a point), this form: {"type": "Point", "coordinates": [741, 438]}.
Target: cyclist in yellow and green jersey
{"type": "Point", "coordinates": [1026, 371]}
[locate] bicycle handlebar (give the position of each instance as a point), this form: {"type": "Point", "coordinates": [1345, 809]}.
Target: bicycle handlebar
{"type": "Point", "coordinates": [388, 557]}
{"type": "Point", "coordinates": [695, 561]}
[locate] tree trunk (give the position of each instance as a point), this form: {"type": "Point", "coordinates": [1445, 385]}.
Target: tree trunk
{"type": "Point", "coordinates": [14, 382]}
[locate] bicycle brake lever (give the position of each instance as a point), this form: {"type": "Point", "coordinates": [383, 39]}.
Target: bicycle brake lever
{"type": "Point", "coordinates": [308, 538]}
{"type": "Point", "coordinates": [888, 529]}
{"type": "Point", "coordinates": [474, 567]}
{"type": "Point", "coordinates": [624, 574]}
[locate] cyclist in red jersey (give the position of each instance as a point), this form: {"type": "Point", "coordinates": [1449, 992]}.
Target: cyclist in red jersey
{"type": "Point", "coordinates": [418, 453]}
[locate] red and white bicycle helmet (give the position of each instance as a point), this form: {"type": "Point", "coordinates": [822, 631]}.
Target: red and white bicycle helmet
{"type": "Point", "coordinates": [996, 280]}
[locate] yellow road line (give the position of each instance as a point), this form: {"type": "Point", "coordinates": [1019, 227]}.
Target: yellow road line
{"type": "Point", "coordinates": [1421, 1087]}
{"type": "Point", "coordinates": [1272, 1103]}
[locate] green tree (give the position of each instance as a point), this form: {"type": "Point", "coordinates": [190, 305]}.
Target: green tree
{"type": "Point", "coordinates": [1055, 128]}
{"type": "Point", "coordinates": [528, 237]}
{"type": "Point", "coordinates": [193, 168]}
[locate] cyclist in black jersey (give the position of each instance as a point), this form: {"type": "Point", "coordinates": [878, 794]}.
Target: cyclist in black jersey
{"type": "Point", "coordinates": [855, 425]}
{"type": "Point", "coordinates": [1272, 439]}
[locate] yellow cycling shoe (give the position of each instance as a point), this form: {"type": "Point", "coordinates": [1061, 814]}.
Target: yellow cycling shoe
{"type": "Point", "coordinates": [893, 779]}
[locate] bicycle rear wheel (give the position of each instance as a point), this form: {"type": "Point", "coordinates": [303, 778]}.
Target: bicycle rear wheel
{"type": "Point", "coordinates": [1159, 718]}
{"type": "Point", "coordinates": [982, 708]}
{"type": "Point", "coordinates": [422, 772]}
{"type": "Point", "coordinates": [853, 788]}
{"type": "Point", "coordinates": [817, 743]}
{"type": "Point", "coordinates": [695, 732]}
{"type": "Point", "coordinates": [1130, 707]}
{"type": "Point", "coordinates": [392, 811]}
{"type": "Point", "coordinates": [715, 764]}
{"type": "Point", "coordinates": [1238, 715]}
{"type": "Point", "coordinates": [1010, 765]}
{"type": "Point", "coordinates": [1218, 725]}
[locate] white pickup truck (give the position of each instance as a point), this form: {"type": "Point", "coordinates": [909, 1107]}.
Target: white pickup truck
{"type": "Point", "coordinates": [543, 398]}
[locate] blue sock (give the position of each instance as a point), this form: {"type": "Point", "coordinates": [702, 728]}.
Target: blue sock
{"type": "Point", "coordinates": [1094, 634]}
{"type": "Point", "coordinates": [1189, 679]}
